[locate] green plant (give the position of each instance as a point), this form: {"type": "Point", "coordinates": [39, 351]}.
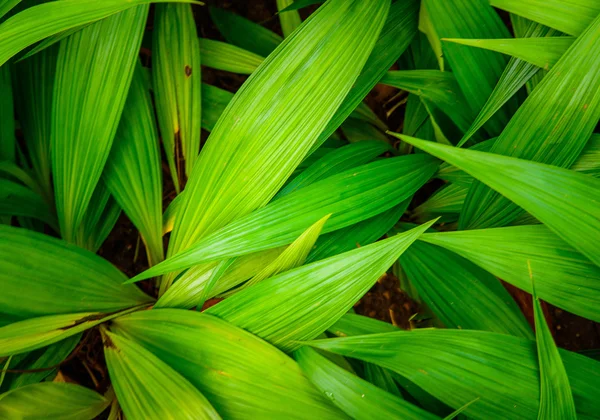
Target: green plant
{"type": "Point", "coordinates": [280, 214]}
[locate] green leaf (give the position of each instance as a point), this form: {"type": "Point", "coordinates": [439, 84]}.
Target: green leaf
{"type": "Point", "coordinates": [571, 17]}
{"type": "Point", "coordinates": [542, 193]}
{"type": "Point", "coordinates": [351, 196]}
{"type": "Point", "coordinates": [146, 387]}
{"type": "Point", "coordinates": [240, 374]}
{"type": "Point", "coordinates": [35, 333]}
{"type": "Point", "coordinates": [556, 399]}
{"type": "Point", "coordinates": [8, 141]}
{"type": "Point", "coordinates": [339, 160]}
{"type": "Point", "coordinates": [299, 4]}
{"type": "Point", "coordinates": [47, 19]}
{"type": "Point", "coordinates": [223, 56]}
{"type": "Point", "coordinates": [476, 71]}
{"type": "Point", "coordinates": [589, 160]}
{"type": "Point", "coordinates": [214, 102]}
{"type": "Point", "coordinates": [356, 130]}
{"type": "Point", "coordinates": [441, 88]}
{"type": "Point", "coordinates": [244, 33]}
{"type": "Point", "coordinates": [461, 294]}
{"type": "Point", "coordinates": [289, 19]}
{"type": "Point", "coordinates": [544, 52]}
{"type": "Point", "coordinates": [564, 277]}
{"type": "Point", "coordinates": [59, 278]}
{"type": "Point", "coordinates": [356, 397]}
{"type": "Point", "coordinates": [447, 201]}
{"type": "Point", "coordinates": [458, 366]}
{"type": "Point", "coordinates": [133, 171]}
{"type": "Point", "coordinates": [427, 28]}
{"type": "Point", "coordinates": [93, 74]}
{"type": "Point", "coordinates": [398, 32]}
{"type": "Point", "coordinates": [251, 152]}
{"type": "Point", "coordinates": [302, 303]}
{"type": "Point", "coordinates": [51, 400]}
{"type": "Point", "coordinates": [34, 83]}
{"type": "Point", "coordinates": [18, 200]}
{"type": "Point", "coordinates": [7, 6]}
{"type": "Point", "coordinates": [177, 86]}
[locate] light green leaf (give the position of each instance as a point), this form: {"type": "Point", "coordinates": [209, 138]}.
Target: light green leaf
{"type": "Point", "coordinates": [564, 277]}
{"type": "Point", "coordinates": [458, 366]}
{"type": "Point", "coordinates": [244, 33]}
{"type": "Point", "coordinates": [147, 388]}
{"type": "Point", "coordinates": [441, 88]}
{"type": "Point", "coordinates": [51, 400]}
{"type": "Point", "coordinates": [252, 145]}
{"type": "Point", "coordinates": [277, 309]}
{"type": "Point", "coordinates": [556, 399]}
{"type": "Point", "coordinates": [177, 86]}
{"type": "Point", "coordinates": [133, 171]}
{"type": "Point", "coordinates": [93, 74]}
{"type": "Point", "coordinates": [543, 52]}
{"type": "Point", "coordinates": [351, 196]}
{"type": "Point", "coordinates": [290, 19]}
{"type": "Point", "coordinates": [241, 375]}
{"type": "Point", "coordinates": [571, 17]}
{"type": "Point", "coordinates": [542, 192]}
{"type": "Point", "coordinates": [589, 160]}
{"type": "Point", "coordinates": [356, 397]}
{"type": "Point", "coordinates": [223, 56]}
{"type": "Point", "coordinates": [461, 294]}
{"type": "Point", "coordinates": [476, 71]}
{"type": "Point", "coordinates": [47, 19]}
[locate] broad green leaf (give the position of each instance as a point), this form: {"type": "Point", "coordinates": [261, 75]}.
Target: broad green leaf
{"type": "Point", "coordinates": [47, 19]}
{"type": "Point", "coordinates": [357, 235]}
{"type": "Point", "coordinates": [589, 160]}
{"type": "Point", "coordinates": [461, 294]}
{"type": "Point", "coordinates": [147, 388]}
{"type": "Point", "coordinates": [40, 359]}
{"type": "Point", "coordinates": [351, 196]}
{"type": "Point", "coordinates": [272, 122]}
{"type": "Point", "coordinates": [35, 333]}
{"type": "Point", "coordinates": [51, 400]}
{"type": "Point", "coordinates": [8, 140]}
{"type": "Point", "coordinates": [516, 74]}
{"type": "Point", "coordinates": [556, 399]}
{"type": "Point", "coordinates": [214, 102]}
{"type": "Point", "coordinates": [293, 256]}
{"type": "Point", "coordinates": [187, 291]}
{"type": "Point", "coordinates": [290, 19]}
{"type": "Point", "coordinates": [541, 193]}
{"type": "Point", "coordinates": [571, 17]}
{"type": "Point", "coordinates": [397, 34]}
{"type": "Point", "coordinates": [339, 160]}
{"type": "Point", "coordinates": [356, 397]}
{"type": "Point", "coordinates": [223, 56]}
{"type": "Point", "coordinates": [18, 200]}
{"type": "Point", "coordinates": [241, 375]}
{"type": "Point", "coordinates": [544, 52]}
{"type": "Point", "coordinates": [244, 33]}
{"type": "Point", "coordinates": [59, 278]}
{"type": "Point", "coordinates": [34, 82]}
{"type": "Point", "coordinates": [302, 303]}
{"type": "Point", "coordinates": [177, 86]}
{"type": "Point", "coordinates": [476, 71]}
{"type": "Point", "coordinates": [440, 88]}
{"type": "Point", "coordinates": [563, 276]}
{"type": "Point", "coordinates": [458, 366]}
{"type": "Point", "coordinates": [93, 74]}
{"type": "Point", "coordinates": [133, 171]}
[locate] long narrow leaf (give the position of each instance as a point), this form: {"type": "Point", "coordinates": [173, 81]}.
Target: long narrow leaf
{"type": "Point", "coordinates": [223, 56]}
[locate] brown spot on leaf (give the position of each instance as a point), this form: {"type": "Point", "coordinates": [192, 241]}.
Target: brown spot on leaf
{"type": "Point", "coordinates": [188, 71]}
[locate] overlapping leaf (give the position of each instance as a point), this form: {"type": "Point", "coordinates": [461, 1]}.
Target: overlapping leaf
{"type": "Point", "coordinates": [223, 56]}
{"type": "Point", "coordinates": [541, 193]}
{"type": "Point", "coordinates": [459, 366]}
{"type": "Point", "coordinates": [240, 374]}
{"type": "Point", "coordinates": [133, 172]}
{"type": "Point", "coordinates": [18, 200]}
{"type": "Point", "coordinates": [290, 20]}
{"type": "Point", "coordinates": [8, 141]}
{"type": "Point", "coordinates": [147, 387]}
{"type": "Point", "coordinates": [302, 303]}
{"type": "Point", "coordinates": [563, 276]}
